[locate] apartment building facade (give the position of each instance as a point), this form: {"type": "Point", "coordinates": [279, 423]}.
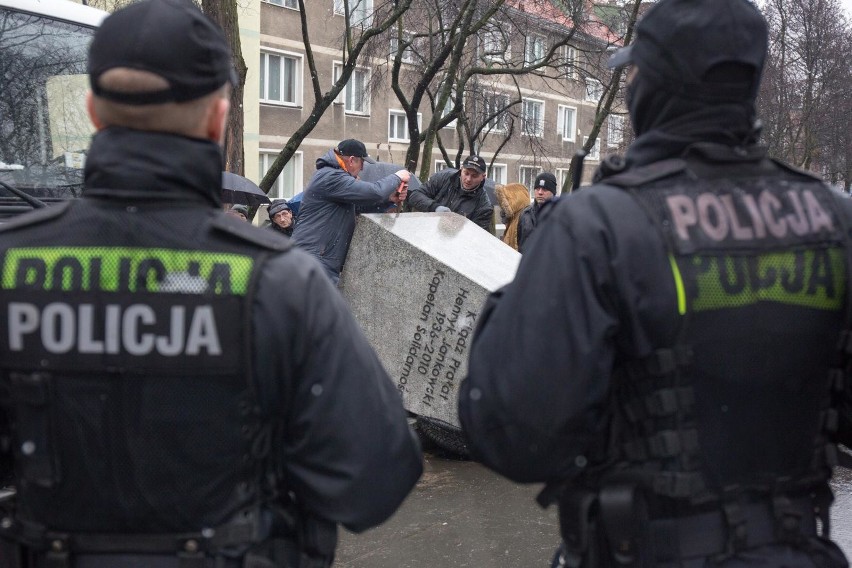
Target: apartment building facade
{"type": "Point", "coordinates": [554, 109]}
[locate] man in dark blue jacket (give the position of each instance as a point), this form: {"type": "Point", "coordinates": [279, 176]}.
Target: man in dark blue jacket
{"type": "Point", "coordinates": [544, 189]}
{"type": "Point", "coordinates": [164, 404]}
{"type": "Point", "coordinates": [686, 407]}
{"type": "Point", "coordinates": [327, 214]}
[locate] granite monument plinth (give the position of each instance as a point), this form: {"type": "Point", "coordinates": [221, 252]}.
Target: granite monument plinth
{"type": "Point", "coordinates": [416, 283]}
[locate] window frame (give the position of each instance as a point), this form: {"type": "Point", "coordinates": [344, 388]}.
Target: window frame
{"type": "Point", "coordinates": [343, 96]}
{"type": "Point", "coordinates": [613, 141]}
{"type": "Point", "coordinates": [595, 153]}
{"type": "Point", "coordinates": [529, 185]}
{"type": "Point", "coordinates": [502, 51]}
{"type": "Point", "coordinates": [500, 121]}
{"type": "Point", "coordinates": [277, 189]}
{"type": "Point", "coordinates": [560, 126]}
{"type": "Point", "coordinates": [297, 76]}
{"type": "Point", "coordinates": [283, 4]}
{"type": "Point", "coordinates": [569, 53]}
{"type": "Point", "coordinates": [504, 168]}
{"type": "Point", "coordinates": [589, 91]}
{"type": "Point", "coordinates": [528, 45]}
{"type": "Point", "coordinates": [408, 52]}
{"type": "Point", "coordinates": [393, 112]}
{"type": "Point", "coordinates": [540, 124]}
{"type": "Point", "coordinates": [339, 9]}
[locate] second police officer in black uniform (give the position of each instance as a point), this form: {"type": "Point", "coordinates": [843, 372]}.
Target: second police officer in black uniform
{"type": "Point", "coordinates": [686, 406]}
{"type": "Point", "coordinates": [168, 405]}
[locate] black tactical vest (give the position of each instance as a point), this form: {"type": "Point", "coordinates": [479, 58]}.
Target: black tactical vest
{"type": "Point", "coordinates": [740, 408]}
{"type": "Point", "coordinates": [126, 340]}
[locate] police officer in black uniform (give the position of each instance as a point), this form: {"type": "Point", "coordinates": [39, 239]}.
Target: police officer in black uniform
{"type": "Point", "coordinates": [686, 406]}
{"type": "Point", "coordinates": [166, 405]}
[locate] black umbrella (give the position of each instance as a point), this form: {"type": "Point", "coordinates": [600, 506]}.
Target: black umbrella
{"type": "Point", "coordinates": [237, 189]}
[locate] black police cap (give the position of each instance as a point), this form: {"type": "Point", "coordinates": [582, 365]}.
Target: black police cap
{"type": "Point", "coordinates": [683, 41]}
{"type": "Point", "coordinates": [169, 38]}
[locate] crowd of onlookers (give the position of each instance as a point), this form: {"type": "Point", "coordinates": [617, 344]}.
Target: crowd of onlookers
{"type": "Point", "coordinates": [336, 193]}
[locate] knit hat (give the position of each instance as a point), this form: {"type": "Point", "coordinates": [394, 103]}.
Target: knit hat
{"type": "Point", "coordinates": [240, 209]}
{"type": "Point", "coordinates": [546, 180]}
{"type": "Point", "coordinates": [277, 206]}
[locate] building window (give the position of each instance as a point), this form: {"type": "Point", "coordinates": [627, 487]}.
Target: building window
{"type": "Point", "coordinates": [398, 126]}
{"type": "Point", "coordinates": [533, 117]}
{"type": "Point", "coordinates": [286, 3]}
{"type": "Point", "coordinates": [289, 181]}
{"type": "Point", "coordinates": [615, 130]}
{"type": "Point", "coordinates": [595, 152]}
{"type": "Point", "coordinates": [526, 176]}
{"type": "Point", "coordinates": [534, 49]}
{"type": "Point", "coordinates": [561, 176]}
{"type": "Point", "coordinates": [440, 165]}
{"type": "Point", "coordinates": [495, 43]}
{"type": "Point", "coordinates": [494, 111]}
{"type": "Point", "coordinates": [448, 108]}
{"type": "Point", "coordinates": [407, 55]}
{"type": "Point", "coordinates": [360, 11]}
{"type": "Point", "coordinates": [569, 57]}
{"type": "Point", "coordinates": [497, 172]}
{"type": "Point", "coordinates": [566, 122]}
{"type": "Point", "coordinates": [355, 96]}
{"type": "Point", "coordinates": [280, 78]}
{"type": "Point", "coordinates": [594, 90]}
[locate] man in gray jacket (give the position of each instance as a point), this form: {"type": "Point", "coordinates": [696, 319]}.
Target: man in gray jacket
{"type": "Point", "coordinates": [460, 191]}
{"type": "Point", "coordinates": [327, 215]}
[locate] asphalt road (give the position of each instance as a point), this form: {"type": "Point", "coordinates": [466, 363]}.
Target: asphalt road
{"type": "Point", "coordinates": [462, 515]}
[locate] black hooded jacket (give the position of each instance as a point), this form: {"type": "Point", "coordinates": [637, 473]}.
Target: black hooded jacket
{"type": "Point", "coordinates": [137, 447]}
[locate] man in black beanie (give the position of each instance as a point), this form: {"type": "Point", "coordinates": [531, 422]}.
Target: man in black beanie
{"type": "Point", "coordinates": [686, 407]}
{"type": "Point", "coordinates": [543, 190]}
{"type": "Point", "coordinates": [166, 404]}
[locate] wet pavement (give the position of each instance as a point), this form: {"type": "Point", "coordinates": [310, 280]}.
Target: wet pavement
{"type": "Point", "coordinates": [462, 515]}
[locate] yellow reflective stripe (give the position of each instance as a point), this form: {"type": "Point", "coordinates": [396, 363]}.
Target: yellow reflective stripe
{"type": "Point", "coordinates": [681, 291]}
{"type": "Point", "coordinates": [102, 268]}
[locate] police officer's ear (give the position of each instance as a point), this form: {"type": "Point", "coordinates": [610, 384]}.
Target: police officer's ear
{"type": "Point", "coordinates": [217, 119]}
{"type": "Point", "coordinates": [93, 116]}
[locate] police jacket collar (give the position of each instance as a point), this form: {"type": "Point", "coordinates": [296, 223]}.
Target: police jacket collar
{"type": "Point", "coordinates": [136, 164]}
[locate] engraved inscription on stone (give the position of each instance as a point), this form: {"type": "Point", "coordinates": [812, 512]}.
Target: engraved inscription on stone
{"type": "Point", "coordinates": [416, 283]}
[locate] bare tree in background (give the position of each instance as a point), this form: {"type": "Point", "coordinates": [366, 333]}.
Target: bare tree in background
{"type": "Point", "coordinates": [224, 13]}
{"type": "Point", "coordinates": [456, 63]}
{"type": "Point", "coordinates": [804, 99]}
{"type": "Point", "coordinates": [357, 37]}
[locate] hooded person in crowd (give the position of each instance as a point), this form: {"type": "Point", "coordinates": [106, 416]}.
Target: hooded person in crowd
{"type": "Point", "coordinates": [327, 214]}
{"type": "Point", "coordinates": [165, 404]}
{"type": "Point", "coordinates": [686, 406]}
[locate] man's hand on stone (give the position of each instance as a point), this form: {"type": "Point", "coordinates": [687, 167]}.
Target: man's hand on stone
{"type": "Point", "coordinates": [442, 209]}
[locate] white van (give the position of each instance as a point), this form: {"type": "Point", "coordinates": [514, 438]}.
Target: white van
{"type": "Point", "coordinates": [44, 128]}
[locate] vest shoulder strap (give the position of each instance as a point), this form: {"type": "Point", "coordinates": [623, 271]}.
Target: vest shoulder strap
{"type": "Point", "coordinates": [37, 216]}
{"type": "Point", "coordinates": [646, 174]}
{"type": "Point", "coordinates": [245, 232]}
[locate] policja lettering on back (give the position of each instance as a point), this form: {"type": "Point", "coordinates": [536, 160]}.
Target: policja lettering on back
{"type": "Point", "coordinates": [717, 218]}
{"type": "Point", "coordinates": [63, 328]}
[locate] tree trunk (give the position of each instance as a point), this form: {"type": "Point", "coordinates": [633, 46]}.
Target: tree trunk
{"type": "Point", "coordinates": [224, 13]}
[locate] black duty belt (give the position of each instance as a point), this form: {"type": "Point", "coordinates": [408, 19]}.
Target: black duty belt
{"type": "Point", "coordinates": [708, 534]}
{"type": "Point", "coordinates": [148, 561]}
